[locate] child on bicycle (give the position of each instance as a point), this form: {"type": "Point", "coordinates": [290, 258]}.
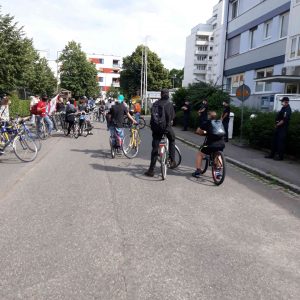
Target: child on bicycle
{"type": "Point", "coordinates": [212, 143]}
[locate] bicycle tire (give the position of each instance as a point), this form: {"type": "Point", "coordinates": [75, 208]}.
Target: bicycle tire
{"type": "Point", "coordinates": [178, 156]}
{"type": "Point", "coordinates": [205, 162]}
{"type": "Point", "coordinates": [131, 150]}
{"type": "Point", "coordinates": [163, 165]}
{"type": "Point", "coordinates": [142, 123]}
{"type": "Point", "coordinates": [41, 132]}
{"type": "Point", "coordinates": [218, 180]}
{"type": "Point", "coordinates": [35, 138]}
{"type": "Point", "coordinates": [85, 132]}
{"type": "Point", "coordinates": [112, 149]}
{"type": "Point", "coordinates": [25, 148]}
{"type": "Point", "coordinates": [76, 130]}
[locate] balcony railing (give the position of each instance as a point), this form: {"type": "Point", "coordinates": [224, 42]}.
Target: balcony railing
{"type": "Point", "coordinates": [116, 84]}
{"type": "Point", "coordinates": [196, 71]}
{"type": "Point", "coordinates": [116, 66]}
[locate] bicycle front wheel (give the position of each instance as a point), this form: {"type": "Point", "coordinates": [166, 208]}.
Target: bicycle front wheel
{"type": "Point", "coordinates": [76, 130]}
{"type": "Point", "coordinates": [177, 156]}
{"type": "Point", "coordinates": [131, 145]}
{"type": "Point", "coordinates": [218, 167]}
{"type": "Point", "coordinates": [35, 138]}
{"type": "Point", "coordinates": [25, 148]}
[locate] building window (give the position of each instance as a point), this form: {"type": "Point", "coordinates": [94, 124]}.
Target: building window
{"type": "Point", "coordinates": [201, 57]}
{"type": "Point", "coordinates": [291, 89]}
{"type": "Point", "coordinates": [264, 86]}
{"type": "Point", "coordinates": [211, 38]}
{"type": "Point", "coordinates": [267, 29]}
{"type": "Point", "coordinates": [234, 46]}
{"type": "Point", "coordinates": [101, 79]}
{"type": "Point", "coordinates": [214, 26]}
{"type": "Point", "coordinates": [201, 67]}
{"type": "Point", "coordinates": [293, 48]}
{"type": "Point", "coordinates": [211, 48]}
{"type": "Point", "coordinates": [232, 83]}
{"type": "Point", "coordinates": [234, 9]}
{"type": "Point", "coordinates": [116, 63]}
{"type": "Point", "coordinates": [284, 23]}
{"type": "Point", "coordinates": [210, 57]}
{"type": "Point", "coordinates": [253, 38]}
{"type": "Point", "coordinates": [202, 48]}
{"type": "Point", "coordinates": [101, 61]}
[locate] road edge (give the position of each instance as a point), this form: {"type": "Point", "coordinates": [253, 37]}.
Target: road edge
{"type": "Point", "coordinates": [275, 179]}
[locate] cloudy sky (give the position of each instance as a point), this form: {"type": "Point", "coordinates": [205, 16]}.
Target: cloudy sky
{"type": "Point", "coordinates": [111, 26]}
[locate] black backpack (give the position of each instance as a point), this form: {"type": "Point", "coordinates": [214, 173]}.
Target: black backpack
{"type": "Point", "coordinates": [158, 121]}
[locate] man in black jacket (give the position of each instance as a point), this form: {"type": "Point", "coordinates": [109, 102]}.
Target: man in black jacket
{"type": "Point", "coordinates": [157, 135]}
{"type": "Point", "coordinates": [281, 129]}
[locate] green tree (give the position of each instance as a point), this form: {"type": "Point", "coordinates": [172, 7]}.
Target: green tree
{"type": "Point", "coordinates": [77, 74]}
{"type": "Point", "coordinates": [176, 77]}
{"type": "Point", "coordinates": [112, 92]}
{"type": "Point", "coordinates": [158, 75]}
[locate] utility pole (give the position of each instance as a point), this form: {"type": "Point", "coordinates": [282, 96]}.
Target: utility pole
{"type": "Point", "coordinates": [142, 79]}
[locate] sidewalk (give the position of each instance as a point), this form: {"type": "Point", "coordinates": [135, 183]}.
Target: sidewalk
{"type": "Point", "coordinates": [288, 172]}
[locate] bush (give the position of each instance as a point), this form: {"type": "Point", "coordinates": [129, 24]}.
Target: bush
{"type": "Point", "coordinates": [259, 131]}
{"type": "Point", "coordinates": [19, 107]}
{"type": "Point", "coordinates": [194, 119]}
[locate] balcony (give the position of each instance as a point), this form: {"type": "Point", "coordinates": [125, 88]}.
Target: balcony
{"type": "Point", "coordinates": [116, 84]}
{"type": "Point", "coordinates": [202, 52]}
{"type": "Point", "coordinates": [117, 66]}
{"type": "Point", "coordinates": [200, 62]}
{"type": "Point", "coordinates": [196, 71]}
{"type": "Point", "coordinates": [202, 43]}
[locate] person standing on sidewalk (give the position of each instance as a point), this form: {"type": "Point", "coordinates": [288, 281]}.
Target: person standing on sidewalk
{"type": "Point", "coordinates": [225, 119]}
{"type": "Point", "coordinates": [281, 129]}
{"type": "Point", "coordinates": [162, 116]}
{"type": "Point", "coordinates": [202, 115]}
{"type": "Point", "coordinates": [41, 111]}
{"type": "Point", "coordinates": [186, 115]}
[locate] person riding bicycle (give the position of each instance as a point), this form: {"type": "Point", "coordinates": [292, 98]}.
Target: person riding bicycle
{"type": "Point", "coordinates": [70, 114]}
{"type": "Point", "coordinates": [42, 114]}
{"type": "Point", "coordinates": [213, 142]}
{"type": "Point", "coordinates": [162, 116]}
{"type": "Point", "coordinates": [84, 109]}
{"type": "Point", "coordinates": [115, 118]}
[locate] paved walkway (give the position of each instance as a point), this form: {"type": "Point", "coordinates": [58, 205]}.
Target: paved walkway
{"type": "Point", "coordinates": [286, 170]}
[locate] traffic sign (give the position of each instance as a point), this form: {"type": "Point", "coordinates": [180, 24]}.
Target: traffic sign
{"type": "Point", "coordinates": [243, 92]}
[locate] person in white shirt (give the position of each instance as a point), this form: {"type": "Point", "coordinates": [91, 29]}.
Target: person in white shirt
{"type": "Point", "coordinates": [4, 109]}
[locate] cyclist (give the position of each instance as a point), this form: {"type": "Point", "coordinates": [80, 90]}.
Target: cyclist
{"type": "Point", "coordinates": [115, 118]}
{"type": "Point", "coordinates": [41, 111]}
{"type": "Point", "coordinates": [137, 111]}
{"type": "Point", "coordinates": [162, 116]}
{"type": "Point", "coordinates": [83, 107]}
{"type": "Point", "coordinates": [70, 117]}
{"type": "Point", "coordinates": [213, 142]}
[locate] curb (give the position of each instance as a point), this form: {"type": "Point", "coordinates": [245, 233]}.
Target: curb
{"type": "Point", "coordinates": [250, 169]}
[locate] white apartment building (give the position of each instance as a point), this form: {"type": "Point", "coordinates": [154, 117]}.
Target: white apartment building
{"type": "Point", "coordinates": [204, 56]}
{"type": "Point", "coordinates": [109, 68]}
{"type": "Point", "coordinates": [263, 49]}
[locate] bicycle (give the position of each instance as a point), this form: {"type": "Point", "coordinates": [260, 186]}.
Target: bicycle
{"type": "Point", "coordinates": [164, 156]}
{"type": "Point", "coordinates": [23, 146]}
{"type": "Point", "coordinates": [115, 142]}
{"type": "Point", "coordinates": [217, 161]}
{"type": "Point", "coordinates": [74, 132]}
{"type": "Point", "coordinates": [131, 142]}
{"type": "Point", "coordinates": [83, 127]}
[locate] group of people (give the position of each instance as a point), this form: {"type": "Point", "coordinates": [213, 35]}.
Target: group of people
{"type": "Point", "coordinates": [203, 116]}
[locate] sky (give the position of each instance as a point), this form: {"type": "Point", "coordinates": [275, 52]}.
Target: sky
{"type": "Point", "coordinates": [111, 26]}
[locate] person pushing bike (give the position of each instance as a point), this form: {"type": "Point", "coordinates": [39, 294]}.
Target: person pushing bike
{"type": "Point", "coordinates": [162, 116]}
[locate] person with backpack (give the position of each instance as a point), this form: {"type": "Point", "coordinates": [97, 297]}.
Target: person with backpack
{"type": "Point", "coordinates": [70, 114]}
{"type": "Point", "coordinates": [162, 115]}
{"type": "Point", "coordinates": [214, 131]}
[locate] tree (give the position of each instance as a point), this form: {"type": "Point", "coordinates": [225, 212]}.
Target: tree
{"type": "Point", "coordinates": [176, 77]}
{"type": "Point", "coordinates": [131, 74]}
{"type": "Point", "coordinates": [77, 74]}
{"type": "Point", "coordinates": [20, 65]}
{"type": "Point", "coordinates": [113, 92]}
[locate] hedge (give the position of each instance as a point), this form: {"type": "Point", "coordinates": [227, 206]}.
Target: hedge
{"type": "Point", "coordinates": [19, 107]}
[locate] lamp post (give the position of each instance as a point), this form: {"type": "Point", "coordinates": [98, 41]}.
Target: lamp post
{"type": "Point", "coordinates": [174, 77]}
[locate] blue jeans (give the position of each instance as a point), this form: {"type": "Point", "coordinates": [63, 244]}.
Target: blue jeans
{"type": "Point", "coordinates": [47, 121]}
{"type": "Point", "coordinates": [137, 117]}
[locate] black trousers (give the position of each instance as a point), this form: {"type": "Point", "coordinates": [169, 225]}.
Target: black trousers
{"type": "Point", "coordinates": [156, 138]}
{"type": "Point", "coordinates": [71, 123]}
{"type": "Point", "coordinates": [226, 125]}
{"type": "Point", "coordinates": [279, 140]}
{"type": "Point", "coordinates": [186, 121]}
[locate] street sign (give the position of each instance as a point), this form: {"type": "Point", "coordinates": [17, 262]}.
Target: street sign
{"type": "Point", "coordinates": [243, 92]}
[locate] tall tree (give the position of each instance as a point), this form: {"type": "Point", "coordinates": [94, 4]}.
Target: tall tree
{"type": "Point", "coordinates": [176, 76]}
{"type": "Point", "coordinates": [131, 74]}
{"type": "Point", "coordinates": [77, 74]}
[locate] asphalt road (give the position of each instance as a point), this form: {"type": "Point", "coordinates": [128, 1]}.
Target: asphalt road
{"type": "Point", "coordinates": [76, 224]}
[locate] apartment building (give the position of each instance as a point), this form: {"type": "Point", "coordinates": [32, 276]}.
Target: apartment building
{"type": "Point", "coordinates": [109, 68]}
{"type": "Point", "coordinates": [204, 56]}
{"type": "Point", "coordinates": [263, 49]}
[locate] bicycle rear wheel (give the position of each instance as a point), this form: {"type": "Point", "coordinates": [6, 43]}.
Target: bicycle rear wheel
{"type": "Point", "coordinates": [131, 145]}
{"type": "Point", "coordinates": [163, 163]}
{"type": "Point", "coordinates": [204, 165]}
{"type": "Point", "coordinates": [218, 167]}
{"type": "Point", "coordinates": [76, 130]}
{"type": "Point", "coordinates": [142, 123]}
{"type": "Point", "coordinates": [35, 138]}
{"type": "Point", "coordinates": [25, 148]}
{"type": "Point", "coordinates": [177, 156]}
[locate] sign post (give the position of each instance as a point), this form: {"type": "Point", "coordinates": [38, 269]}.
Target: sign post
{"type": "Point", "coordinates": [243, 92]}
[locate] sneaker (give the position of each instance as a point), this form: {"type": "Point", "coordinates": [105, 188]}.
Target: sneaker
{"type": "Point", "coordinates": [218, 174]}
{"type": "Point", "coordinates": [196, 174]}
{"type": "Point", "coordinates": [149, 173]}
